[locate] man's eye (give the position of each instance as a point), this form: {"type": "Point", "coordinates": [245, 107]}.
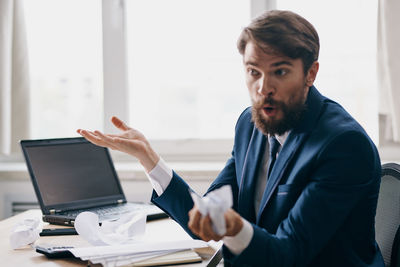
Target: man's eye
{"type": "Point", "coordinates": [253, 72]}
{"type": "Point", "coordinates": [281, 72]}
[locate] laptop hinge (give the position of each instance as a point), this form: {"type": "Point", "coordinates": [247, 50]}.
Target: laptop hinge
{"type": "Point", "coordinates": [120, 201]}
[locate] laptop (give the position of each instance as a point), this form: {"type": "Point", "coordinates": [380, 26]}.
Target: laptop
{"type": "Point", "coordinates": [71, 175]}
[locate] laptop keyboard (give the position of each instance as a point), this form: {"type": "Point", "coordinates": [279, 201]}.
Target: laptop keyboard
{"type": "Point", "coordinates": [108, 210]}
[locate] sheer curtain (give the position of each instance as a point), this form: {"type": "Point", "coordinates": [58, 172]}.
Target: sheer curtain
{"type": "Point", "coordinates": [389, 69]}
{"type": "Point", "coordinates": [14, 76]}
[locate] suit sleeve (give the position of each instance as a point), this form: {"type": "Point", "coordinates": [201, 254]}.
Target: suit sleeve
{"type": "Point", "coordinates": [345, 172]}
{"type": "Point", "coordinates": [176, 200]}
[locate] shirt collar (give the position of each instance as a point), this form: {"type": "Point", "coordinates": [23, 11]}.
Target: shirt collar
{"type": "Point", "coordinates": [282, 138]}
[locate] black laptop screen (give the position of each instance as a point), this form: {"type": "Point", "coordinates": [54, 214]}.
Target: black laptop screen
{"type": "Point", "coordinates": [73, 172]}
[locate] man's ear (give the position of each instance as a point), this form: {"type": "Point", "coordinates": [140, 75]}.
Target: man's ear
{"type": "Point", "coordinates": [312, 73]}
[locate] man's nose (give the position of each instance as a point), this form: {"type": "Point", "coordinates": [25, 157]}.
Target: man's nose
{"type": "Point", "coordinates": [264, 87]}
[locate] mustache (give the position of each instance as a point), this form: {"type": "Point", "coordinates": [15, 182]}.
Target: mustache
{"type": "Point", "coordinates": [266, 101]}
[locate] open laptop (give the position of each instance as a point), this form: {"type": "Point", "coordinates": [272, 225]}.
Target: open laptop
{"type": "Point", "coordinates": [71, 175]}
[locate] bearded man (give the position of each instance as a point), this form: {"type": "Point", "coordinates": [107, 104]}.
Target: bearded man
{"type": "Point", "coordinates": [304, 174]}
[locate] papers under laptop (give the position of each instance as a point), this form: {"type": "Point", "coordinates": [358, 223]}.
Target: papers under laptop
{"type": "Point", "coordinates": [71, 175]}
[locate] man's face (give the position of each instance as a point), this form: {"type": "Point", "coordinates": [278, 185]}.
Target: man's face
{"type": "Point", "coordinates": [278, 89]}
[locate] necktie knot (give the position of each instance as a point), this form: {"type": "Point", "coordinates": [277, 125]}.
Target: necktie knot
{"type": "Point", "coordinates": [273, 146]}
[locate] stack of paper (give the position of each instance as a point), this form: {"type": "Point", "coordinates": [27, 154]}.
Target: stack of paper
{"type": "Point", "coordinates": [141, 254]}
{"type": "Point", "coordinates": [185, 256]}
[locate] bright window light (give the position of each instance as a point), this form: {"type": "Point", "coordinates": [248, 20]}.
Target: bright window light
{"type": "Point", "coordinates": [65, 56]}
{"type": "Point", "coordinates": [348, 37]}
{"type": "Point", "coordinates": [186, 75]}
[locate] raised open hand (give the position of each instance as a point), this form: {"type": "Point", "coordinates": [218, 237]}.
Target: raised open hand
{"type": "Point", "coordinates": [129, 141]}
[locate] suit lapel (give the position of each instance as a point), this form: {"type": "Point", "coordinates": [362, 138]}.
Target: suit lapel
{"type": "Point", "coordinates": [254, 155]}
{"type": "Point", "coordinates": [295, 139]}
{"type": "Point", "coordinates": [285, 156]}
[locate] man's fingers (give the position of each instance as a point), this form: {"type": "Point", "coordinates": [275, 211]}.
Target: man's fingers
{"type": "Point", "coordinates": [92, 137]}
{"type": "Point", "coordinates": [119, 124]}
{"type": "Point", "coordinates": [207, 233]}
{"type": "Point", "coordinates": [234, 222]}
{"type": "Point", "coordinates": [194, 220]}
{"type": "Point", "coordinates": [114, 135]}
{"type": "Point", "coordinates": [108, 140]}
{"type": "Point", "coordinates": [202, 226]}
{"type": "Point", "coordinates": [97, 138]}
{"type": "Point", "coordinates": [103, 136]}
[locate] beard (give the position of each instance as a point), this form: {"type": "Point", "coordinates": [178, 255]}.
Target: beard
{"type": "Point", "coordinates": [292, 113]}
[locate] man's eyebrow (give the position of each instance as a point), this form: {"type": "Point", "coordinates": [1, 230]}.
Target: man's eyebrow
{"type": "Point", "coordinates": [283, 62]}
{"type": "Point", "coordinates": [249, 62]}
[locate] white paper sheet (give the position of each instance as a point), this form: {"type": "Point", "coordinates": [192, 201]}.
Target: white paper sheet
{"type": "Point", "coordinates": [126, 229]}
{"type": "Point", "coordinates": [215, 204]}
{"type": "Point", "coordinates": [131, 249]}
{"type": "Point", "coordinates": [128, 259]}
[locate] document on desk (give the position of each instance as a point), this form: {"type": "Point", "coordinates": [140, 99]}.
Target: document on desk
{"type": "Point", "coordinates": [119, 255]}
{"type": "Point", "coordinates": [167, 257]}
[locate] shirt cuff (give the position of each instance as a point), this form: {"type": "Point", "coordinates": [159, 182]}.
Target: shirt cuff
{"type": "Point", "coordinates": [241, 240]}
{"type": "Point", "coordinates": [160, 176]}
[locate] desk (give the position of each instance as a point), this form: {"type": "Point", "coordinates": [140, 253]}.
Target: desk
{"type": "Point", "coordinates": [160, 230]}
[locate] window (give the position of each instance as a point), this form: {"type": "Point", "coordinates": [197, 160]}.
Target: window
{"type": "Point", "coordinates": [65, 55]}
{"type": "Point", "coordinates": [348, 38]}
{"type": "Point", "coordinates": [186, 75]}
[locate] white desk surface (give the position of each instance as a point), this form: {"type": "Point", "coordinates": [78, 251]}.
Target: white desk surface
{"type": "Point", "coordinates": [160, 230]}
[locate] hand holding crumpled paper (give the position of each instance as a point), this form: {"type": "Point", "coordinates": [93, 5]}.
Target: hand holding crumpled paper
{"type": "Point", "coordinates": [215, 204]}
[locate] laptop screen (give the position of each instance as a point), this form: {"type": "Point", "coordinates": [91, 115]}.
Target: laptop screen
{"type": "Point", "coordinates": [67, 172]}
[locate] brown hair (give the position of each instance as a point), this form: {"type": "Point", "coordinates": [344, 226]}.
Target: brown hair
{"type": "Point", "coordinates": [283, 32]}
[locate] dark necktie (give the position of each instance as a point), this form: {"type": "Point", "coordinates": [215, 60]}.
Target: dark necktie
{"type": "Point", "coordinates": [273, 149]}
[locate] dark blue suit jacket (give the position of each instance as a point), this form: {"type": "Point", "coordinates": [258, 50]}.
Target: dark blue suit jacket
{"type": "Point", "coordinates": [319, 204]}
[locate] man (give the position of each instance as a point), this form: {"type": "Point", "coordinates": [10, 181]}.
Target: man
{"type": "Point", "coordinates": [304, 174]}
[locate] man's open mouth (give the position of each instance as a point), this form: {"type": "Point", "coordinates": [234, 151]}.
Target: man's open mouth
{"type": "Point", "coordinates": [270, 110]}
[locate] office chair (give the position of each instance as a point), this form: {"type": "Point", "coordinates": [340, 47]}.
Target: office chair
{"type": "Point", "coordinates": [387, 220]}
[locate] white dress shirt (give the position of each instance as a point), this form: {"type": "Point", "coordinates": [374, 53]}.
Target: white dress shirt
{"type": "Point", "coordinates": [161, 175]}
